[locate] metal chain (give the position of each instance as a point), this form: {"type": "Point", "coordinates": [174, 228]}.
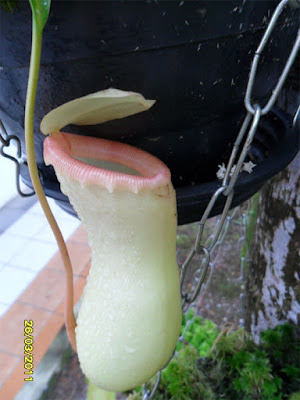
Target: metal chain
{"type": "Point", "coordinates": [5, 141]}
{"type": "Point", "coordinates": [239, 216]}
{"type": "Point", "coordinates": [250, 124]}
{"type": "Point", "coordinates": [287, 67]}
{"type": "Point", "coordinates": [3, 135]}
{"type": "Point", "coordinates": [254, 113]}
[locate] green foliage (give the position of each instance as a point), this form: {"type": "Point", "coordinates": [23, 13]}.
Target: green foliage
{"type": "Point", "coordinates": [229, 342]}
{"type": "Point", "coordinates": [227, 364]}
{"type": "Point", "coordinates": [184, 380]}
{"type": "Point", "coordinates": [282, 345]}
{"type": "Point", "coordinates": [255, 379]}
{"type": "Point", "coordinates": [295, 396]}
{"type": "Point", "coordinates": [247, 369]}
{"type": "Point", "coordinates": [181, 380]}
{"type": "Point", "coordinates": [200, 333]}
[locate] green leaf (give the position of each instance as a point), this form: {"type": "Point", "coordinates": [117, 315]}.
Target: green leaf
{"type": "Point", "coordinates": [95, 108]}
{"type": "Point", "coordinates": [291, 371]}
{"type": "Point", "coordinates": [295, 396]}
{"type": "Point", "coordinates": [40, 12]}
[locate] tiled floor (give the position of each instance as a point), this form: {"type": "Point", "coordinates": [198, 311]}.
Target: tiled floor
{"type": "Point", "coordinates": [25, 248]}
{"type": "Point", "coordinates": [32, 286]}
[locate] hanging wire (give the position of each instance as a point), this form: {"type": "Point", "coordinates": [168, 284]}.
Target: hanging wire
{"type": "Point", "coordinates": [248, 129]}
{"type": "Point", "coordinates": [5, 141]}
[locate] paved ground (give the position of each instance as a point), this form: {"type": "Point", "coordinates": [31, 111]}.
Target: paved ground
{"type": "Point", "coordinates": [26, 244]}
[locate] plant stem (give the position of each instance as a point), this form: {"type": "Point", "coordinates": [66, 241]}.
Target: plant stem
{"type": "Point", "coordinates": [95, 393]}
{"type": "Point", "coordinates": [29, 140]}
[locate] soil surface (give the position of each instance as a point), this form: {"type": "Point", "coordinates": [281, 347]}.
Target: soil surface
{"type": "Point", "coordinates": [221, 301]}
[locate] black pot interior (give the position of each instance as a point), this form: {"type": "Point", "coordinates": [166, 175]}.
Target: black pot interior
{"type": "Point", "coordinates": [192, 57]}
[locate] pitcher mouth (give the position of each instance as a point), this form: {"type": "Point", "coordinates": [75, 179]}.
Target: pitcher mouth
{"type": "Point", "coordinates": [65, 152]}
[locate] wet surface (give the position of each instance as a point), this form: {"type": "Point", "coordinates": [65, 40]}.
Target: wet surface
{"type": "Point", "coordinates": [221, 301]}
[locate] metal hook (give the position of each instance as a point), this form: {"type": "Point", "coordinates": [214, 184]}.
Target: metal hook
{"type": "Point", "coordinates": [296, 116]}
{"type": "Point", "coordinates": [5, 143]}
{"type": "Point", "coordinates": [149, 395]}
{"type": "Point", "coordinates": [3, 140]}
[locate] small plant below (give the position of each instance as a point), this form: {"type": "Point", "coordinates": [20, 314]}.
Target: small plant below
{"type": "Point", "coordinates": [198, 332]}
{"type": "Point", "coordinates": [282, 346]}
{"type": "Point", "coordinates": [212, 364]}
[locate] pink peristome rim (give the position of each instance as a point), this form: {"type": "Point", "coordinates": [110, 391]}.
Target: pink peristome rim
{"type": "Point", "coordinates": [61, 148]}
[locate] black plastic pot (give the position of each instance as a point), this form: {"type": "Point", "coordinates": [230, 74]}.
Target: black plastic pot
{"type": "Point", "coordinates": [193, 57]}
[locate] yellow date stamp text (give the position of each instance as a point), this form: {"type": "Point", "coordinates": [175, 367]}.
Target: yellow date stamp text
{"type": "Point", "coordinates": [28, 350]}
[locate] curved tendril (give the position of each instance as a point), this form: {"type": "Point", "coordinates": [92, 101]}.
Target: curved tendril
{"type": "Point", "coordinates": [29, 140]}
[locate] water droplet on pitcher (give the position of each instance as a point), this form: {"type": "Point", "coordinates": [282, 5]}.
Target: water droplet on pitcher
{"type": "Point", "coordinates": [130, 350]}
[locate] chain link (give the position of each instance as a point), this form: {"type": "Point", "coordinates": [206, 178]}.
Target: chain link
{"type": "Point", "coordinates": [275, 92]}
{"type": "Point", "coordinates": [148, 395]}
{"type": "Point", "coordinates": [3, 135]}
{"type": "Point", "coordinates": [227, 189]}
{"type": "Point", "coordinates": [254, 113]}
{"type": "Point", "coordinates": [5, 141]}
